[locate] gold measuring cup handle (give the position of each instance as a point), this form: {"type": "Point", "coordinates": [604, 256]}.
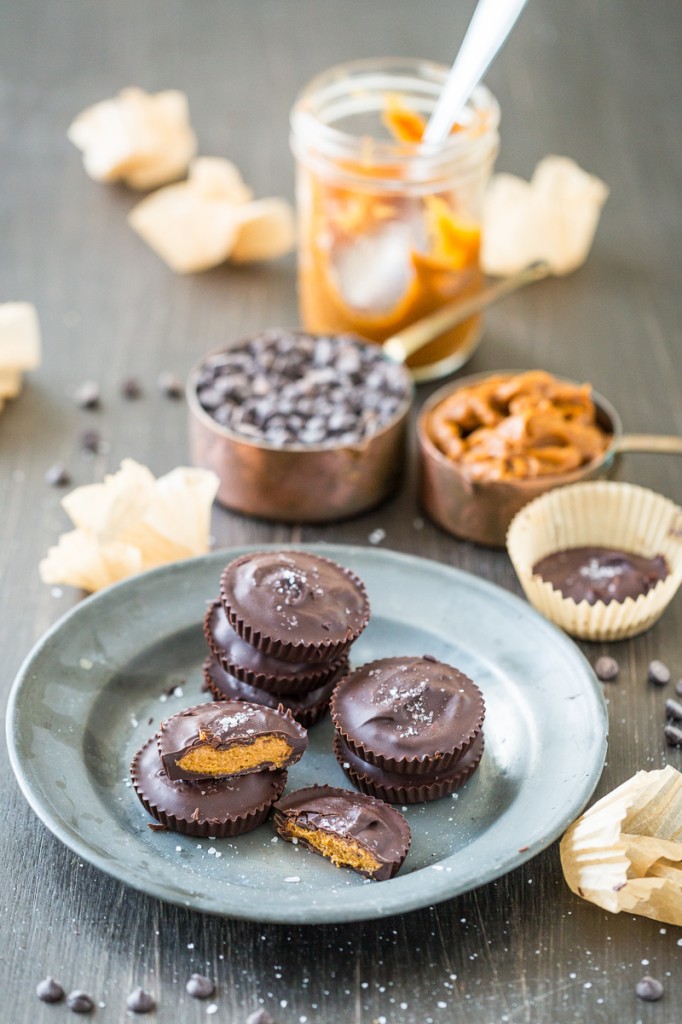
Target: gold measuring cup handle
{"type": "Point", "coordinates": [661, 443]}
{"type": "Point", "coordinates": [408, 341]}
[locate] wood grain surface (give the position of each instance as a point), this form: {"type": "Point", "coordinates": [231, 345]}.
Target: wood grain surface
{"type": "Point", "coordinates": [598, 82]}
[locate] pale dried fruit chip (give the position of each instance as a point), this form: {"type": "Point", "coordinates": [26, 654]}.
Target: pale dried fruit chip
{"type": "Point", "coordinates": [265, 230]}
{"type": "Point", "coordinates": [217, 178]}
{"type": "Point", "coordinates": [187, 229]}
{"type": "Point", "coordinates": [19, 336]}
{"type": "Point", "coordinates": [625, 852]}
{"type": "Point", "coordinates": [130, 523]}
{"type": "Point", "coordinates": [10, 383]}
{"type": "Point", "coordinates": [553, 217]}
{"type": "Point", "coordinates": [201, 222]}
{"type": "Point", "coordinates": [141, 138]}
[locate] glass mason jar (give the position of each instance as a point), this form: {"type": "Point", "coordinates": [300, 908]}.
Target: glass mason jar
{"type": "Point", "coordinates": [389, 230]}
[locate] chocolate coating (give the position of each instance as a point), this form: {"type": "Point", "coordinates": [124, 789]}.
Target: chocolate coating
{"type": "Point", "coordinates": [242, 660]}
{"type": "Point", "coordinates": [398, 788]}
{"type": "Point", "coordinates": [293, 604]}
{"type": "Point", "coordinates": [377, 828]}
{"type": "Point", "coordinates": [306, 709]}
{"type": "Point", "coordinates": [212, 807]}
{"type": "Point", "coordinates": [224, 725]}
{"type": "Point", "coordinates": [601, 574]}
{"type": "Point", "coordinates": [411, 715]}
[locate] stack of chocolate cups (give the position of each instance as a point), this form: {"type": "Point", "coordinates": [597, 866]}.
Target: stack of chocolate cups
{"type": "Point", "coordinates": [408, 730]}
{"type": "Point", "coordinates": [216, 769]}
{"type": "Point", "coordinates": [281, 631]}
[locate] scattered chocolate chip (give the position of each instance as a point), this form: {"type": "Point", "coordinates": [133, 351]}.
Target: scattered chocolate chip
{"type": "Point", "coordinates": [673, 735]}
{"type": "Point", "coordinates": [606, 668]}
{"type": "Point", "coordinates": [87, 395]}
{"type": "Point", "coordinates": [49, 990]}
{"type": "Point", "coordinates": [157, 826]}
{"type": "Point", "coordinates": [91, 440]}
{"type": "Point", "coordinates": [200, 987]}
{"type": "Point", "coordinates": [650, 989]}
{"type": "Point", "coordinates": [259, 1017]}
{"type": "Point", "coordinates": [673, 709]}
{"type": "Point", "coordinates": [58, 475]}
{"type": "Point", "coordinates": [658, 673]}
{"type": "Point", "coordinates": [170, 385]}
{"type": "Point", "coordinates": [79, 1002]}
{"type": "Point", "coordinates": [131, 389]}
{"type": "Point", "coordinates": [678, 687]}
{"type": "Point", "coordinates": [290, 388]}
{"type": "Point", "coordinates": [140, 1001]}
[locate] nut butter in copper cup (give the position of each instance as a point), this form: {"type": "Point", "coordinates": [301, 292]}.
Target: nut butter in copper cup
{"type": "Point", "coordinates": [296, 480]}
{"type": "Point", "coordinates": [481, 511]}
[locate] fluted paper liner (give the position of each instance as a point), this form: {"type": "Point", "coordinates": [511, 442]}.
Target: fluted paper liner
{"type": "Point", "coordinates": [625, 853]}
{"type": "Point", "coordinates": [602, 513]}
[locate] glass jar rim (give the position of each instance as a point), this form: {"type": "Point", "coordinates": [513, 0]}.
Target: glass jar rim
{"type": "Point", "coordinates": [354, 79]}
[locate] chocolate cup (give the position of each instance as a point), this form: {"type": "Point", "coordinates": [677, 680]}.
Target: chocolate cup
{"type": "Point", "coordinates": [396, 788]}
{"type": "Point", "coordinates": [224, 725]}
{"type": "Point", "coordinates": [243, 661]}
{"type": "Point", "coordinates": [307, 709]}
{"type": "Point", "coordinates": [388, 729]}
{"type": "Point", "coordinates": [217, 807]}
{"type": "Point", "coordinates": [299, 483]}
{"type": "Point", "coordinates": [482, 511]}
{"type": "Point", "coordinates": [330, 634]}
{"type": "Point", "coordinates": [379, 829]}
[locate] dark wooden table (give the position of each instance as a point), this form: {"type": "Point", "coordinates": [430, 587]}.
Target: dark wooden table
{"type": "Point", "coordinates": [598, 82]}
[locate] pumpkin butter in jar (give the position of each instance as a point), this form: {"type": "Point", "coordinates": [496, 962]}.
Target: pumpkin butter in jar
{"type": "Point", "coordinates": [389, 230]}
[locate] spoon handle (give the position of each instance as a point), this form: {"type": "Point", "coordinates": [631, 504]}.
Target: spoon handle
{"type": "Point", "coordinates": [661, 443]}
{"type": "Point", "coordinates": [403, 344]}
{"type": "Point", "coordinates": [490, 25]}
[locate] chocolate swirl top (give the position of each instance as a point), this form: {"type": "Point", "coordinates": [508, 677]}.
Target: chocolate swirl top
{"type": "Point", "coordinates": [404, 713]}
{"type": "Point", "coordinates": [601, 574]}
{"type": "Point", "coordinates": [294, 604]}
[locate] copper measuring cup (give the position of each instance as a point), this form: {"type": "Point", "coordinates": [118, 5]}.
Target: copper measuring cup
{"type": "Point", "coordinates": [482, 511]}
{"type": "Point", "coordinates": [321, 483]}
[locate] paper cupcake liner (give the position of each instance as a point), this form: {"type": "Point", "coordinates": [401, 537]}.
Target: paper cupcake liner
{"type": "Point", "coordinates": [613, 515]}
{"type": "Point", "coordinates": [421, 764]}
{"type": "Point", "coordinates": [221, 826]}
{"type": "Point", "coordinates": [298, 650]}
{"type": "Point", "coordinates": [272, 674]}
{"type": "Point", "coordinates": [625, 853]}
{"type": "Point", "coordinates": [307, 709]}
{"type": "Point", "coordinates": [396, 789]}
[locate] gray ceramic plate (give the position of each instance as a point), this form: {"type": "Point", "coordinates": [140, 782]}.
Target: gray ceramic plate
{"type": "Point", "coordinates": [96, 685]}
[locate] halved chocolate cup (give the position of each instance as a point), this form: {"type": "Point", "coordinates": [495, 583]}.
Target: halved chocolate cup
{"type": "Point", "coordinates": [229, 738]}
{"type": "Point", "coordinates": [214, 807]}
{"type": "Point", "coordinates": [350, 829]}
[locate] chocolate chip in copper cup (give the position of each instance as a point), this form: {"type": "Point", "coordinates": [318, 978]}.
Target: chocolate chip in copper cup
{"type": "Point", "coordinates": [307, 708]}
{"type": "Point", "coordinates": [398, 788]}
{"type": "Point", "coordinates": [351, 829]}
{"type": "Point", "coordinates": [411, 715]}
{"type": "Point", "coordinates": [294, 605]}
{"type": "Point", "coordinates": [214, 807]}
{"type": "Point", "coordinates": [229, 738]}
{"type": "Point", "coordinates": [263, 671]}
